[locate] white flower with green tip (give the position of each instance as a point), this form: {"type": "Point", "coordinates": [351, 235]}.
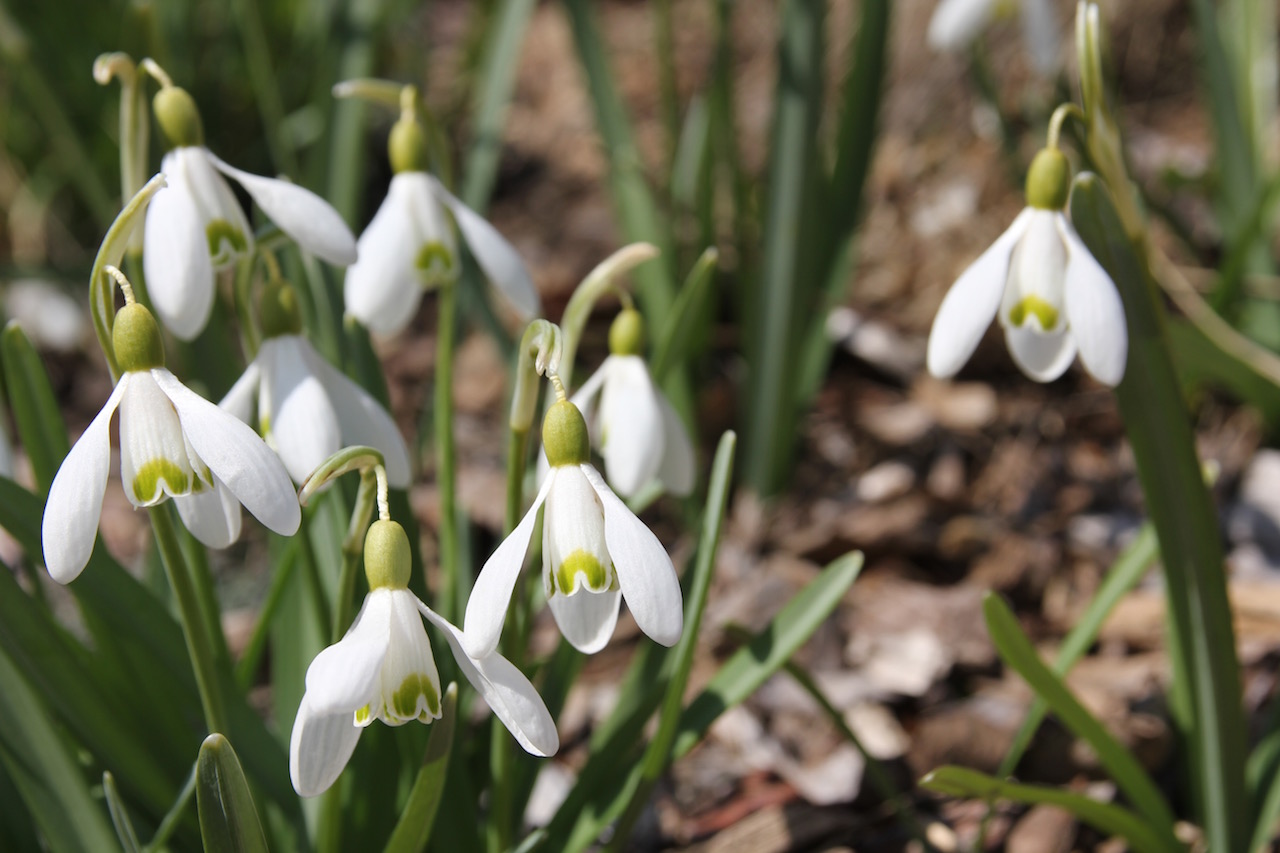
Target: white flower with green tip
{"type": "Point", "coordinates": [1052, 297]}
{"type": "Point", "coordinates": [173, 444]}
{"type": "Point", "coordinates": [595, 552]}
{"type": "Point", "coordinates": [409, 245]}
{"type": "Point", "coordinates": [195, 225]}
{"type": "Point", "coordinates": [307, 409]}
{"type": "Point", "coordinates": [384, 669]}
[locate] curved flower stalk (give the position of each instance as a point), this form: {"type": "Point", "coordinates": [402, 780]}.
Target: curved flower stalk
{"type": "Point", "coordinates": [410, 247]}
{"type": "Point", "coordinates": [173, 444]}
{"type": "Point", "coordinates": [196, 226]}
{"type": "Point", "coordinates": [308, 410]}
{"type": "Point", "coordinates": [957, 23]}
{"type": "Point", "coordinates": [1052, 297]}
{"type": "Point", "coordinates": [635, 428]}
{"type": "Point", "coordinates": [595, 552]}
{"type": "Point", "coordinates": [384, 669]}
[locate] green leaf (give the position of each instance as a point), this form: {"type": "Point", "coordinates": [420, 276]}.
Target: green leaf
{"type": "Point", "coordinates": [679, 332]}
{"type": "Point", "coordinates": [1016, 651]}
{"type": "Point", "coordinates": [1113, 820]}
{"type": "Point", "coordinates": [228, 818]}
{"type": "Point", "coordinates": [413, 830]}
{"type": "Point", "coordinates": [1201, 362]}
{"type": "Point", "coordinates": [35, 409]}
{"type": "Point", "coordinates": [125, 832]}
{"type": "Point", "coordinates": [45, 773]}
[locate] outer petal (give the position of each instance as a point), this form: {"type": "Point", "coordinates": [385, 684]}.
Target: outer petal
{"type": "Point", "coordinates": [971, 304]}
{"type": "Point", "coordinates": [361, 418]}
{"type": "Point", "coordinates": [176, 257]}
{"type": "Point", "coordinates": [345, 676]}
{"type": "Point", "coordinates": [212, 515]}
{"type": "Point", "coordinates": [487, 606]}
{"type": "Point", "coordinates": [75, 499]}
{"type": "Point", "coordinates": [1043, 357]}
{"type": "Point", "coordinates": [956, 23]}
{"type": "Point", "coordinates": [645, 573]}
{"type": "Point", "coordinates": [155, 462]}
{"type": "Point", "coordinates": [679, 466]}
{"type": "Point", "coordinates": [240, 399]}
{"type": "Point", "coordinates": [382, 289]}
{"type": "Point", "coordinates": [300, 213]}
{"type": "Point", "coordinates": [630, 425]}
{"type": "Point", "coordinates": [236, 455]}
{"type": "Point", "coordinates": [1095, 313]}
{"type": "Point", "coordinates": [505, 689]}
{"type": "Point", "coordinates": [303, 421]}
{"type": "Point", "coordinates": [586, 618]}
{"type": "Point", "coordinates": [319, 749]}
{"type": "Point", "coordinates": [495, 255]}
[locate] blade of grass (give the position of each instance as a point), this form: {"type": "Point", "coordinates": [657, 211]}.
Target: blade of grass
{"type": "Point", "coordinates": [675, 338]}
{"type": "Point", "coordinates": [228, 818]}
{"type": "Point", "coordinates": [413, 830]}
{"type": "Point", "coordinates": [35, 410]}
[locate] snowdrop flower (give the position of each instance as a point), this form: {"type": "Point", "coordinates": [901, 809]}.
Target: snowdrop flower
{"type": "Point", "coordinates": [1052, 297]}
{"type": "Point", "coordinates": [307, 410]}
{"type": "Point", "coordinates": [635, 428]}
{"type": "Point", "coordinates": [956, 23]}
{"type": "Point", "coordinates": [594, 553]}
{"type": "Point", "coordinates": [196, 226]}
{"type": "Point", "coordinates": [173, 443]}
{"type": "Point", "coordinates": [410, 246]}
{"type": "Point", "coordinates": [383, 669]}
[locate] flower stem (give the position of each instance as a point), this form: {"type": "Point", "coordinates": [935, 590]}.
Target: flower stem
{"type": "Point", "coordinates": [446, 480]}
{"type": "Point", "coordinates": [198, 643]}
{"type": "Point", "coordinates": [352, 550]}
{"type": "Point", "coordinates": [312, 570]}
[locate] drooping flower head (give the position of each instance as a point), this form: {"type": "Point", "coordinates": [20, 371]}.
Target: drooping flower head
{"type": "Point", "coordinates": [307, 409]}
{"type": "Point", "coordinates": [1052, 296]}
{"type": "Point", "coordinates": [410, 247]}
{"type": "Point", "coordinates": [196, 226]}
{"type": "Point", "coordinates": [173, 444]}
{"type": "Point", "coordinates": [595, 552]}
{"type": "Point", "coordinates": [383, 669]}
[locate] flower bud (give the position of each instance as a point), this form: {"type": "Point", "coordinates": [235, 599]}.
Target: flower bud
{"type": "Point", "coordinates": [407, 145]}
{"type": "Point", "coordinates": [626, 335]}
{"type": "Point", "coordinates": [135, 337]}
{"type": "Point", "coordinates": [176, 112]}
{"type": "Point", "coordinates": [278, 310]}
{"type": "Point", "coordinates": [564, 435]}
{"type": "Point", "coordinates": [1049, 180]}
{"type": "Point", "coordinates": [386, 556]}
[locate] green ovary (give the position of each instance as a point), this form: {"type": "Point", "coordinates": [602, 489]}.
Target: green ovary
{"type": "Point", "coordinates": [219, 232]}
{"type": "Point", "coordinates": [1037, 307]}
{"type": "Point", "coordinates": [146, 483]}
{"type": "Point", "coordinates": [404, 702]}
{"type": "Point", "coordinates": [596, 577]}
{"type": "Point", "coordinates": [434, 261]}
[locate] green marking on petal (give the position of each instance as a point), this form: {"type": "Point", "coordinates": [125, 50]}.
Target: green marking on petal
{"type": "Point", "coordinates": [146, 484]}
{"type": "Point", "coordinates": [596, 577]}
{"type": "Point", "coordinates": [363, 716]}
{"type": "Point", "coordinates": [434, 261]}
{"type": "Point", "coordinates": [1034, 306]}
{"type": "Point", "coordinates": [220, 233]}
{"type": "Point", "coordinates": [264, 425]}
{"type": "Point", "coordinates": [404, 702]}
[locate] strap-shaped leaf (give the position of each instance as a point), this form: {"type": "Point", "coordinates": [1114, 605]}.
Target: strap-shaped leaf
{"type": "Point", "coordinates": [413, 830]}
{"type": "Point", "coordinates": [228, 818]}
{"type": "Point", "coordinates": [40, 426]}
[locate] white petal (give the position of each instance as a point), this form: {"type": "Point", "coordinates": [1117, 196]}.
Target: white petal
{"type": "Point", "coordinates": [971, 304]}
{"type": "Point", "coordinates": [1037, 267]}
{"type": "Point", "coordinates": [345, 676]}
{"type": "Point", "coordinates": [497, 257]}
{"type": "Point", "coordinates": [382, 289]}
{"type": "Point", "coordinates": [956, 23]}
{"type": "Point", "coordinates": [1040, 31]}
{"type": "Point", "coordinates": [586, 618]}
{"type": "Point", "coordinates": [630, 426]}
{"type": "Point", "coordinates": [1094, 312]}
{"type": "Point", "coordinates": [303, 421]}
{"type": "Point", "coordinates": [1042, 356]}
{"type": "Point", "coordinates": [573, 529]}
{"type": "Point", "coordinates": [319, 749]}
{"type": "Point", "coordinates": [240, 399]}
{"type": "Point", "coordinates": [505, 689]}
{"type": "Point", "coordinates": [585, 397]}
{"type": "Point", "coordinates": [645, 573]}
{"type": "Point", "coordinates": [408, 657]}
{"type": "Point", "coordinates": [679, 467]}
{"type": "Point", "coordinates": [176, 258]}
{"type": "Point", "coordinates": [430, 224]}
{"type": "Point", "coordinates": [236, 455]}
{"type": "Point", "coordinates": [154, 461]}
{"type": "Point", "coordinates": [211, 514]}
{"type": "Point", "coordinates": [75, 499]}
{"type": "Point", "coordinates": [225, 228]}
{"type": "Point", "coordinates": [487, 606]}
{"type": "Point", "coordinates": [361, 418]}
{"type": "Point", "coordinates": [308, 219]}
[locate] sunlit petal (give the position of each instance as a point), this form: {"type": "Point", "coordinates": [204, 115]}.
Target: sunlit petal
{"type": "Point", "coordinates": [630, 425]}
{"type": "Point", "coordinates": [346, 676]}
{"type": "Point", "coordinates": [319, 748]}
{"type": "Point", "coordinates": [382, 289]}
{"type": "Point", "coordinates": [176, 259]}
{"type": "Point", "coordinates": [211, 514]}
{"type": "Point", "coordinates": [154, 461]}
{"type": "Point", "coordinates": [679, 466]}
{"type": "Point", "coordinates": [240, 399]}
{"type": "Point", "coordinates": [1094, 312]}
{"type": "Point", "coordinates": [303, 421]}
{"type": "Point", "coordinates": [586, 619]}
